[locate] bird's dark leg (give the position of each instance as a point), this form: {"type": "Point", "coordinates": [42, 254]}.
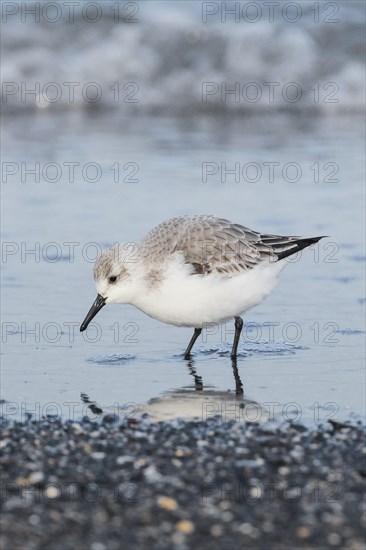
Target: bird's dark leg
{"type": "Point", "coordinates": [238, 329]}
{"type": "Point", "coordinates": [197, 332]}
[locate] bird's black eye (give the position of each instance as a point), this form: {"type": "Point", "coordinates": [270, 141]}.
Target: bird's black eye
{"type": "Point", "coordinates": [112, 279]}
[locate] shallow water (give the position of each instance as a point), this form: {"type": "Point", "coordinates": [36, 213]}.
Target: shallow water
{"type": "Point", "coordinates": [301, 354]}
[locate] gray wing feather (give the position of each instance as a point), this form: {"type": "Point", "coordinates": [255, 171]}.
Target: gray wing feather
{"type": "Point", "coordinates": [213, 245]}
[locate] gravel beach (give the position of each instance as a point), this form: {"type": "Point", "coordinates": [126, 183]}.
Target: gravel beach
{"type": "Point", "coordinates": [181, 484]}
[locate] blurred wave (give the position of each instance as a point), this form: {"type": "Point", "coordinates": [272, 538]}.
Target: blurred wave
{"type": "Point", "coordinates": [163, 61]}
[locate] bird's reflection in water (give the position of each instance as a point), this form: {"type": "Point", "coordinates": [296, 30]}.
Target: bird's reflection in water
{"type": "Point", "coordinates": [198, 382]}
{"type": "Point", "coordinates": [238, 383]}
{"type": "Point", "coordinates": [202, 401]}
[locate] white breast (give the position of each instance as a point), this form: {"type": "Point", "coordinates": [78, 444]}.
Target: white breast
{"type": "Point", "coordinates": [184, 299]}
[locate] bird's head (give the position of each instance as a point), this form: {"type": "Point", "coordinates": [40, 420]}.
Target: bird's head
{"type": "Point", "coordinates": [112, 278]}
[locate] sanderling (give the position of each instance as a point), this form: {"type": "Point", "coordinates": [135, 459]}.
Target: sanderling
{"type": "Point", "coordinates": [193, 271]}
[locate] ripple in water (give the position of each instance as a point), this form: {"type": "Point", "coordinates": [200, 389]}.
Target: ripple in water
{"type": "Point", "coordinates": [350, 331]}
{"type": "Point", "coordinates": [254, 348]}
{"type": "Point", "coordinates": [113, 359]}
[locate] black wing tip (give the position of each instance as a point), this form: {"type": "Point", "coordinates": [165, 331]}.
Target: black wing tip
{"type": "Point", "coordinates": [312, 240]}
{"type": "Point", "coordinates": [300, 245]}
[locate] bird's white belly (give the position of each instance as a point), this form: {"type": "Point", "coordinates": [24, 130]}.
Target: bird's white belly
{"type": "Point", "coordinates": [193, 300]}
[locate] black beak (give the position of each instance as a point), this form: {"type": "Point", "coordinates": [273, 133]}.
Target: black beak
{"type": "Point", "coordinates": [98, 304]}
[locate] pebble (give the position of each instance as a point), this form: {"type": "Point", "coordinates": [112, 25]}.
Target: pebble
{"type": "Point", "coordinates": [35, 477]}
{"type": "Point", "coordinates": [97, 456]}
{"type": "Point", "coordinates": [167, 503]}
{"type": "Point", "coordinates": [185, 526]}
{"type": "Point", "coordinates": [181, 484]}
{"type": "Point", "coordinates": [52, 492]}
{"type": "Point", "coordinates": [121, 460]}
